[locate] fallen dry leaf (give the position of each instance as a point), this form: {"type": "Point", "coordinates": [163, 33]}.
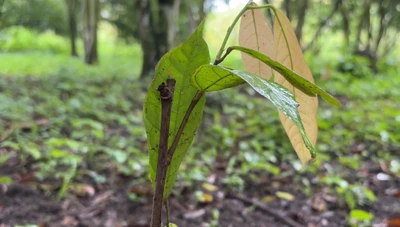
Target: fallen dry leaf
{"type": "Point", "coordinates": [69, 221]}
{"type": "Point", "coordinates": [194, 214]}
{"type": "Point", "coordinates": [207, 198]}
{"type": "Point", "coordinates": [395, 192]}
{"type": "Point", "coordinates": [284, 195]}
{"type": "Point", "coordinates": [394, 222]}
{"type": "Point", "coordinates": [209, 187]}
{"type": "Point", "coordinates": [267, 199]}
{"type": "Point", "coordinates": [82, 189]}
{"type": "Point", "coordinates": [318, 203]}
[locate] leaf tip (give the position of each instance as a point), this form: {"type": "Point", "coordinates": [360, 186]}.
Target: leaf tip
{"type": "Point", "coordinates": [307, 163]}
{"type": "Point", "coordinates": [333, 101]}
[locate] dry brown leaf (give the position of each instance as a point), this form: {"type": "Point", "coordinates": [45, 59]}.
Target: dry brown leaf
{"type": "Point", "coordinates": [394, 222]}
{"type": "Point", "coordinates": [256, 34]}
{"type": "Point", "coordinates": [289, 53]}
{"type": "Point", "coordinates": [69, 221]}
{"type": "Point", "coordinates": [82, 189]}
{"type": "Point", "coordinates": [195, 214]}
{"type": "Point", "coordinates": [318, 203]}
{"type": "Point", "coordinates": [207, 198]}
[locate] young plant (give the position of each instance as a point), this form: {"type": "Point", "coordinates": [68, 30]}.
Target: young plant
{"type": "Point", "coordinates": [275, 68]}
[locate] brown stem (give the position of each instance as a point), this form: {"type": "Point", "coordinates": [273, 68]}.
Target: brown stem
{"type": "Point", "coordinates": [166, 94]}
{"type": "Point", "coordinates": [185, 119]}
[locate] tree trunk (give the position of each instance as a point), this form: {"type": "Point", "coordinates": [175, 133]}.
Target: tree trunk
{"type": "Point", "coordinates": [155, 34]}
{"type": "Point", "coordinates": [161, 28]}
{"type": "Point", "coordinates": [300, 23]}
{"type": "Point", "coordinates": [71, 5]}
{"type": "Point", "coordinates": [346, 23]}
{"type": "Point", "coordinates": [286, 6]}
{"type": "Point", "coordinates": [146, 40]}
{"type": "Point", "coordinates": [90, 10]}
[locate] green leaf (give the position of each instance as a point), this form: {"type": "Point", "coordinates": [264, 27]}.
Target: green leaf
{"type": "Point", "coordinates": [361, 215]}
{"type": "Point", "coordinates": [350, 200]}
{"type": "Point", "coordinates": [179, 63]}
{"type": "Point", "coordinates": [33, 150]}
{"type": "Point", "coordinates": [369, 193]}
{"type": "Point", "coordinates": [281, 97]}
{"type": "Point", "coordinates": [4, 158]}
{"type": "Point", "coordinates": [214, 78]}
{"type": "Point", "coordinates": [59, 154]}
{"type": "Point", "coordinates": [292, 77]}
{"type": "Point", "coordinates": [5, 180]}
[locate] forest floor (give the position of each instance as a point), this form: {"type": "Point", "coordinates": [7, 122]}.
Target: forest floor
{"type": "Point", "coordinates": [86, 133]}
{"type": "Point", "coordinates": [109, 205]}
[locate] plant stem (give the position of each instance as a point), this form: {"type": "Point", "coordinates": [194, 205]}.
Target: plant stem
{"type": "Point", "coordinates": [280, 24]}
{"type": "Point", "coordinates": [185, 119]}
{"type": "Point", "coordinates": [166, 94]}
{"type": "Point", "coordinates": [218, 58]}
{"type": "Point", "coordinates": [221, 59]}
{"type": "Point", "coordinates": [228, 33]}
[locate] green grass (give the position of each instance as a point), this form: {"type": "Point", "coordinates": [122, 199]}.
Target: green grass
{"type": "Point", "coordinates": [40, 63]}
{"type": "Point", "coordinates": [25, 53]}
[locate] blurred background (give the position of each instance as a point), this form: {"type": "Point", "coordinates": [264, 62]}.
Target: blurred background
{"type": "Point", "coordinates": [73, 150]}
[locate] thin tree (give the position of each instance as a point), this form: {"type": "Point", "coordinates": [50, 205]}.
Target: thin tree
{"type": "Point", "coordinates": [156, 31]}
{"type": "Point", "coordinates": [72, 24]}
{"type": "Point", "coordinates": [90, 13]}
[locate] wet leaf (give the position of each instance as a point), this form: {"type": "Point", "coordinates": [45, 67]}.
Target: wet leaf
{"type": "Point", "coordinates": [281, 97]}
{"type": "Point", "coordinates": [256, 34]}
{"type": "Point", "coordinates": [179, 63]}
{"type": "Point", "coordinates": [290, 75]}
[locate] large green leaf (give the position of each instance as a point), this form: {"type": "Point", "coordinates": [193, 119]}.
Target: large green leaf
{"type": "Point", "coordinates": [292, 77]}
{"type": "Point", "coordinates": [179, 63]}
{"type": "Point", "coordinates": [281, 97]}
{"type": "Point", "coordinates": [214, 78]}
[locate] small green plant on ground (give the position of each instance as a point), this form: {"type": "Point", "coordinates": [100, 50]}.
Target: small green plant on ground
{"type": "Point", "coordinates": [275, 68]}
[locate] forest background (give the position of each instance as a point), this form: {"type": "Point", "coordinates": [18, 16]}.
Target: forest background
{"type": "Point", "coordinates": [73, 76]}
